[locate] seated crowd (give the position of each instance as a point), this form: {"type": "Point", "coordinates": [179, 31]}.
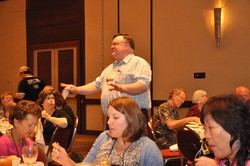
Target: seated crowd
{"type": "Point", "coordinates": [225, 119]}
{"type": "Point", "coordinates": [53, 112]}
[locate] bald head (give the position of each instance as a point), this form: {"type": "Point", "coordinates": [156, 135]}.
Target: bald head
{"type": "Point", "coordinates": [242, 91]}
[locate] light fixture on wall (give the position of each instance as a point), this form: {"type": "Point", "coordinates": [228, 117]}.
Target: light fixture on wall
{"type": "Point", "coordinates": [217, 25]}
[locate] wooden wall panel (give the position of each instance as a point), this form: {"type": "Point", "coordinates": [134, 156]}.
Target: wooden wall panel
{"type": "Point", "coordinates": [100, 26]}
{"type": "Point", "coordinates": [135, 20]}
{"type": "Point", "coordinates": [44, 66]}
{"type": "Point", "coordinates": [52, 21]}
{"type": "Point", "coordinates": [12, 43]}
{"type": "Point", "coordinates": [65, 66]}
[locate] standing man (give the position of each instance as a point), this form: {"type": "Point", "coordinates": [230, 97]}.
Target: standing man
{"type": "Point", "coordinates": [167, 119]}
{"type": "Point", "coordinates": [30, 86]}
{"type": "Point", "coordinates": [128, 76]}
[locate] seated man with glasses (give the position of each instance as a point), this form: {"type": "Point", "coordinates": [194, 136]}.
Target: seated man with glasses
{"type": "Point", "coordinates": [167, 119]}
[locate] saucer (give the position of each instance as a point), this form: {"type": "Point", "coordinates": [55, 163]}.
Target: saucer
{"type": "Point", "coordinates": [38, 163]}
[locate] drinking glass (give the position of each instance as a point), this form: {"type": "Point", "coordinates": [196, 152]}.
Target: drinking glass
{"type": "Point", "coordinates": [1, 114]}
{"type": "Point", "coordinates": [111, 77]}
{"type": "Point", "coordinates": [102, 162]}
{"type": "Point", "coordinates": [29, 154]}
{"type": "Point", "coordinates": [7, 114]}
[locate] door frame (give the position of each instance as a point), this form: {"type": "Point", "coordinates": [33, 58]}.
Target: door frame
{"type": "Point", "coordinates": [76, 43]}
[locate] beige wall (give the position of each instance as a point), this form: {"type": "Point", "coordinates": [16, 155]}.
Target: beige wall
{"type": "Point", "coordinates": [12, 42]}
{"type": "Point", "coordinates": [135, 20]}
{"type": "Point", "coordinates": [183, 43]}
{"type": "Point", "coordinates": [100, 25]}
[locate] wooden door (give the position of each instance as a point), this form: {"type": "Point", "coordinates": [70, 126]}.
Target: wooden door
{"type": "Point", "coordinates": [55, 63]}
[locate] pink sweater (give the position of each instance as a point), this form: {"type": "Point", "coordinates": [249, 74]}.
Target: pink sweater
{"type": "Point", "coordinates": [7, 146]}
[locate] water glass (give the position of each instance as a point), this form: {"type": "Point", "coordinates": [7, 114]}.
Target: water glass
{"type": "Point", "coordinates": [111, 77]}
{"type": "Point", "coordinates": [29, 154]}
{"type": "Point", "coordinates": [1, 114]}
{"type": "Point", "coordinates": [102, 162]}
{"type": "Point", "coordinates": [7, 113]}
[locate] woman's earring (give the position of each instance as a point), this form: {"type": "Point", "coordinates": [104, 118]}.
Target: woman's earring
{"type": "Point", "coordinates": [238, 143]}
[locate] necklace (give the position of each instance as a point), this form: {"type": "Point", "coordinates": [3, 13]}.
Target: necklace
{"type": "Point", "coordinates": [123, 154]}
{"type": "Point", "coordinates": [23, 142]}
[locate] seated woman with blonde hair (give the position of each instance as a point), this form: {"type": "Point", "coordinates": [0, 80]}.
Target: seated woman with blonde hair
{"type": "Point", "coordinates": [199, 99]}
{"type": "Point", "coordinates": [125, 143]}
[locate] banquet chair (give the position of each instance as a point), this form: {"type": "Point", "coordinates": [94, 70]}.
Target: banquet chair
{"type": "Point", "coordinates": [188, 142]}
{"type": "Point", "coordinates": [73, 133]}
{"type": "Point", "coordinates": [170, 158]}
{"type": "Point", "coordinates": [191, 145]}
{"type": "Point", "coordinates": [150, 130]}
{"type": "Point", "coordinates": [41, 154]}
{"type": "Point", "coordinates": [64, 137]}
{"type": "Point", "coordinates": [61, 136]}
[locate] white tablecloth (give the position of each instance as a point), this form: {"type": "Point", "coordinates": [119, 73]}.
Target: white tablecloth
{"type": "Point", "coordinates": [5, 125]}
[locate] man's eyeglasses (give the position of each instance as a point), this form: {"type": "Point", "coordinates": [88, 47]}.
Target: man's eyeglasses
{"type": "Point", "coordinates": [117, 43]}
{"type": "Point", "coordinates": [181, 98]}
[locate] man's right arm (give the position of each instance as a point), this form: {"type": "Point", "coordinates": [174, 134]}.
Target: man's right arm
{"type": "Point", "coordinates": [87, 89]}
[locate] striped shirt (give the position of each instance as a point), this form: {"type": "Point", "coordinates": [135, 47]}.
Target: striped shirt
{"type": "Point", "coordinates": [130, 70]}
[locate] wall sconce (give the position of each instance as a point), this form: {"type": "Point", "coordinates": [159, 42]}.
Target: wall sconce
{"type": "Point", "coordinates": [217, 25]}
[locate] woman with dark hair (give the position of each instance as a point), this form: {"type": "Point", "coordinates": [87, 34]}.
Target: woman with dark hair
{"type": "Point", "coordinates": [125, 143]}
{"type": "Point", "coordinates": [51, 116]}
{"type": "Point", "coordinates": [226, 121]}
{"type": "Point", "coordinates": [60, 102]}
{"type": "Point", "coordinates": [24, 118]}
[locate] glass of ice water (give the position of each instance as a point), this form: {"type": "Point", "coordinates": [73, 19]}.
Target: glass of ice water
{"type": "Point", "coordinates": [29, 154]}
{"type": "Point", "coordinates": [1, 114]}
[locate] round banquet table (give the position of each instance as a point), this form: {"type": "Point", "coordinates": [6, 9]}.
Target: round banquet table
{"type": "Point", "coordinates": [4, 126]}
